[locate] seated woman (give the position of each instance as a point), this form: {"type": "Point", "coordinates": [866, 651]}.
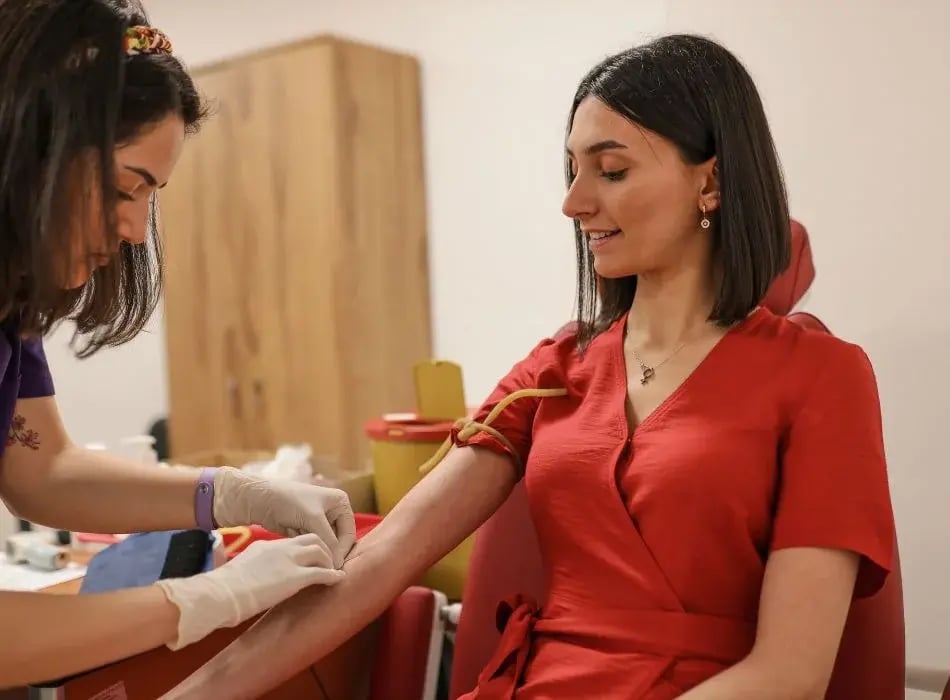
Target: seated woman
{"type": "Point", "coordinates": [707, 479]}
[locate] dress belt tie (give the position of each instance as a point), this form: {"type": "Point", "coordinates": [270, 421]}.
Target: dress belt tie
{"type": "Point", "coordinates": [666, 634]}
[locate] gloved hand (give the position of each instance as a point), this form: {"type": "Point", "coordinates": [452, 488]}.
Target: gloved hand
{"type": "Point", "coordinates": [285, 507]}
{"type": "Point", "coordinates": [260, 577]}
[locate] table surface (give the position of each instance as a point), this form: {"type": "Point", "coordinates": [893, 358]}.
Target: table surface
{"type": "Point", "coordinates": [71, 587]}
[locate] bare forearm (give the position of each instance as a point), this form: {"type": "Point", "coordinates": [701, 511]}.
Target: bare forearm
{"type": "Point", "coordinates": [806, 594]}
{"type": "Point", "coordinates": [37, 645]}
{"type": "Point", "coordinates": [428, 523]}
{"type": "Point", "coordinates": [307, 627]}
{"type": "Point", "coordinates": [92, 491]}
{"type": "Point", "coordinates": [754, 679]}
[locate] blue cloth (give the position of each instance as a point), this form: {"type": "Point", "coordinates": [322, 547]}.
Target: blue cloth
{"type": "Point", "coordinates": [136, 561]}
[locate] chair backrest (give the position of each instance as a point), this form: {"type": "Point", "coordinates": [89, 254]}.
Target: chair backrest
{"type": "Point", "coordinates": [506, 560]}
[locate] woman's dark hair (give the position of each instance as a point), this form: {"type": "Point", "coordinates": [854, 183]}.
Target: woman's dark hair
{"type": "Point", "coordinates": [69, 96]}
{"type": "Point", "coordinates": [693, 92]}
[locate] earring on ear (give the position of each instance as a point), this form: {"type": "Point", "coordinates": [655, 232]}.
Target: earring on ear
{"type": "Point", "coordinates": [704, 222]}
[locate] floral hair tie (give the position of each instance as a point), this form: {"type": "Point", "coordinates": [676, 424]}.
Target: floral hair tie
{"type": "Point", "coordinates": [146, 40]}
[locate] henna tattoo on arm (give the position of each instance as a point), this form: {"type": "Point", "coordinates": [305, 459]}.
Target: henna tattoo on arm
{"type": "Point", "coordinates": [21, 435]}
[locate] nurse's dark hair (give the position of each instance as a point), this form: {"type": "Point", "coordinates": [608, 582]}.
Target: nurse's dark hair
{"type": "Point", "coordinates": [695, 93]}
{"type": "Point", "coordinates": [69, 96]}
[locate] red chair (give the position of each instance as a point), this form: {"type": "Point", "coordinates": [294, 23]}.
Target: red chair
{"type": "Point", "coordinates": [506, 560]}
{"type": "Point", "coordinates": [409, 643]}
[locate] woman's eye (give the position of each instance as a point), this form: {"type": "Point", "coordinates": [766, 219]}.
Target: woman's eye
{"type": "Point", "coordinates": [614, 175]}
{"type": "Point", "coordinates": [125, 196]}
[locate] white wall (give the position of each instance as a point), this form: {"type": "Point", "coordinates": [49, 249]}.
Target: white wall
{"type": "Point", "coordinates": [858, 98]}
{"type": "Point", "coordinates": [115, 393]}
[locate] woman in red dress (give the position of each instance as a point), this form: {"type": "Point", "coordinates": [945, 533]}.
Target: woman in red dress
{"type": "Point", "coordinates": [707, 480]}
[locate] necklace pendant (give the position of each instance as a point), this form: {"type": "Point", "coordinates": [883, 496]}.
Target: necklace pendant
{"type": "Point", "coordinates": [647, 375]}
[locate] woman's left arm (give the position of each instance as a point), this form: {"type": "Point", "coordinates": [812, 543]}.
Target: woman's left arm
{"type": "Point", "coordinates": [806, 595]}
{"type": "Point", "coordinates": [47, 479]}
{"type": "Point", "coordinates": [832, 533]}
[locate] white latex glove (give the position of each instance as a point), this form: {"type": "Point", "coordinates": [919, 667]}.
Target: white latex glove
{"type": "Point", "coordinates": [285, 507]}
{"type": "Point", "coordinates": [260, 577]}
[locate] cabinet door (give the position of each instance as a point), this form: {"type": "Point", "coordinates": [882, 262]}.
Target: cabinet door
{"type": "Point", "coordinates": [248, 222]}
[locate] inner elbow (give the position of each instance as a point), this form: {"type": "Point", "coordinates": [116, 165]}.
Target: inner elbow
{"type": "Point", "coordinates": [17, 506]}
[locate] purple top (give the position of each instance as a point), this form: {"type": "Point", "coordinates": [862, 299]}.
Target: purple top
{"type": "Point", "coordinates": [24, 374]}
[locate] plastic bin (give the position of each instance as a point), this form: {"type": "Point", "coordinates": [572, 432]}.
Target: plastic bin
{"type": "Point", "coordinates": [399, 446]}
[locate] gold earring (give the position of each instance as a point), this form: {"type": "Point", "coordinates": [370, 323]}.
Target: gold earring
{"type": "Point", "coordinates": [704, 222]}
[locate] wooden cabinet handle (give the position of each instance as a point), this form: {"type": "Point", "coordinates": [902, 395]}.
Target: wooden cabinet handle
{"type": "Point", "coordinates": [234, 397]}
{"type": "Point", "coordinates": [258, 388]}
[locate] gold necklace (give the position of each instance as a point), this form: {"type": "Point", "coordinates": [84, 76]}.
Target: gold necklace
{"type": "Point", "coordinates": [649, 371]}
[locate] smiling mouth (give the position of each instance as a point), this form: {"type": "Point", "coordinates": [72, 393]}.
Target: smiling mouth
{"type": "Point", "coordinates": [601, 235]}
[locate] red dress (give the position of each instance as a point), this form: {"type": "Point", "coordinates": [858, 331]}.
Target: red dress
{"type": "Point", "coordinates": [655, 541]}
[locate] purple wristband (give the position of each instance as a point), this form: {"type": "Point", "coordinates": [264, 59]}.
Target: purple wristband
{"type": "Point", "coordinates": [204, 500]}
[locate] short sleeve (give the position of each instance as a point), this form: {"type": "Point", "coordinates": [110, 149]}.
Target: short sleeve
{"type": "Point", "coordinates": [516, 420]}
{"type": "Point", "coordinates": [834, 491]}
{"type": "Point", "coordinates": [35, 378]}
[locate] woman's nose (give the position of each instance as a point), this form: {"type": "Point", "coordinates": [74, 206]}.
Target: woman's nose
{"type": "Point", "coordinates": [578, 204]}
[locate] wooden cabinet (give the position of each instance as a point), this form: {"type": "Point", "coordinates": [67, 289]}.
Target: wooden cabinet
{"type": "Point", "coordinates": [294, 227]}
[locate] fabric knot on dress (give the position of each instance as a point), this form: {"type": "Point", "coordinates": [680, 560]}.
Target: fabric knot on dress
{"type": "Point", "coordinates": [515, 619]}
